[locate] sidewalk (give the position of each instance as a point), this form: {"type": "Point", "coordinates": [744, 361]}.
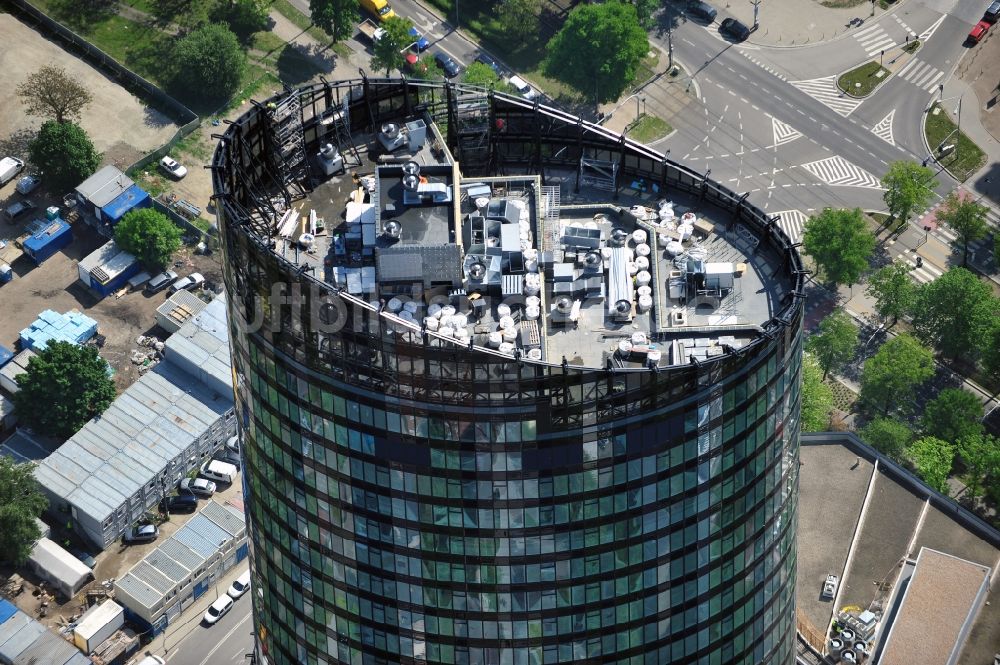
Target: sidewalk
{"type": "Point", "coordinates": [801, 22]}
{"type": "Point", "coordinates": [976, 82]}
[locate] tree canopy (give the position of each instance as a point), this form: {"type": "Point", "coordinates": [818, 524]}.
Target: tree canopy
{"type": "Point", "coordinates": [208, 64]}
{"type": "Point", "coordinates": [518, 18]}
{"type": "Point", "coordinates": [981, 455]}
{"type": "Point", "coordinates": [244, 17]}
{"type": "Point", "coordinates": [887, 435]}
{"type": "Point", "coordinates": [893, 290]}
{"type": "Point", "coordinates": [991, 349]}
{"type": "Point", "coordinates": [835, 342]}
{"type": "Point", "coordinates": [840, 243]}
{"type": "Point", "coordinates": [953, 415]}
{"type": "Point", "coordinates": [933, 458]}
{"type": "Point", "coordinates": [954, 313]}
{"type": "Point", "coordinates": [387, 49]}
{"type": "Point", "coordinates": [908, 187]}
{"type": "Point", "coordinates": [581, 53]}
{"type": "Point", "coordinates": [335, 17]}
{"type": "Point", "coordinates": [65, 386]}
{"type": "Point", "coordinates": [967, 219]}
{"type": "Point", "coordinates": [483, 75]}
{"type": "Point", "coordinates": [645, 9]}
{"type": "Point", "coordinates": [20, 504]}
{"type": "Point", "coordinates": [817, 397]}
{"type": "Point", "coordinates": [64, 153]}
{"type": "Point", "coordinates": [52, 93]}
{"type": "Point", "coordinates": [893, 373]}
{"type": "Point", "coordinates": [148, 235]}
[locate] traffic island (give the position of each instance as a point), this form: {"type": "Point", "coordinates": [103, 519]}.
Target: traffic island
{"type": "Point", "coordinates": [648, 128]}
{"type": "Point", "coordinates": [951, 148]}
{"type": "Point", "coordinates": [863, 81]}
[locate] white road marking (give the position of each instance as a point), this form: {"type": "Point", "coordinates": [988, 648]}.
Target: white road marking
{"type": "Point", "coordinates": [793, 223]}
{"type": "Point", "coordinates": [926, 34]}
{"type": "Point", "coordinates": [883, 129]}
{"type": "Point", "coordinates": [838, 171]}
{"type": "Point", "coordinates": [825, 91]}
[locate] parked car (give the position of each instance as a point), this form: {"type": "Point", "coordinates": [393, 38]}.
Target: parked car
{"type": "Point", "coordinates": [183, 503]}
{"type": "Point", "coordinates": [189, 283]}
{"type": "Point", "coordinates": [9, 168]}
{"type": "Point", "coordinates": [522, 87]}
{"type": "Point", "coordinates": [18, 209]}
{"type": "Point", "coordinates": [445, 62]}
{"type": "Point", "coordinates": [992, 12]}
{"type": "Point", "coordinates": [489, 62]}
{"type": "Point", "coordinates": [28, 184]}
{"type": "Point", "coordinates": [143, 533]}
{"type": "Point", "coordinates": [734, 30]}
{"type": "Point", "coordinates": [219, 471]}
{"type": "Point", "coordinates": [978, 31]}
{"type": "Point", "coordinates": [172, 168]}
{"type": "Point", "coordinates": [88, 560]}
{"type": "Point", "coordinates": [218, 609]}
{"type": "Point", "coordinates": [420, 42]}
{"type": "Point", "coordinates": [240, 586]}
{"type": "Point", "coordinates": [152, 660]}
{"type": "Point", "coordinates": [830, 587]}
{"type": "Point", "coordinates": [233, 444]}
{"type": "Point", "coordinates": [229, 457]}
{"type": "Point", "coordinates": [161, 281]}
{"type": "Point", "coordinates": [702, 11]}
{"type": "Point", "coordinates": [198, 486]}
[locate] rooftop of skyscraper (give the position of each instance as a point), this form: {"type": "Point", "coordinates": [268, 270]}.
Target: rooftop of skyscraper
{"type": "Point", "coordinates": [651, 277]}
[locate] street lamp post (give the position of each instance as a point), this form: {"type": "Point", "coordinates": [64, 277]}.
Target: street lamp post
{"type": "Point", "coordinates": [670, 48]}
{"type": "Point", "coordinates": [756, 10]}
{"type": "Point", "coordinates": [873, 8]}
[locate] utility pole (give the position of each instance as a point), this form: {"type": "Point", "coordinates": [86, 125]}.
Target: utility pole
{"type": "Point", "coordinates": [670, 48]}
{"type": "Point", "coordinates": [756, 11]}
{"type": "Point", "coordinates": [873, 8]}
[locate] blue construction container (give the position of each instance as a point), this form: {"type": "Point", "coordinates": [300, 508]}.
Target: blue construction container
{"type": "Point", "coordinates": [49, 239]}
{"type": "Point", "coordinates": [5, 355]}
{"type": "Point", "coordinates": [132, 198]}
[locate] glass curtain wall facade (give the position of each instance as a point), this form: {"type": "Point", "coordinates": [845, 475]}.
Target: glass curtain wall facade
{"type": "Point", "coordinates": [410, 501]}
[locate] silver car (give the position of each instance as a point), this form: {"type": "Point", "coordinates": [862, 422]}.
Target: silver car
{"type": "Point", "coordinates": [199, 486]}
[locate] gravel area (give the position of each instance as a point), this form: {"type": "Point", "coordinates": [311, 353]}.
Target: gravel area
{"type": "Point", "coordinates": [940, 532]}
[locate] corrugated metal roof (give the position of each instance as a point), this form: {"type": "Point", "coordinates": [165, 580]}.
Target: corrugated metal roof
{"type": "Point", "coordinates": [137, 590]}
{"type": "Point", "coordinates": [225, 517]}
{"type": "Point", "coordinates": [152, 576]}
{"type": "Point", "coordinates": [21, 640]}
{"type": "Point", "coordinates": [202, 536]}
{"type": "Point", "coordinates": [13, 625]}
{"type": "Point", "coordinates": [97, 617]}
{"type": "Point", "coordinates": [100, 179]}
{"type": "Point", "coordinates": [99, 256]}
{"type": "Point", "coordinates": [182, 554]}
{"type": "Point", "coordinates": [47, 649]}
{"type": "Point", "coordinates": [7, 609]}
{"type": "Point", "coordinates": [149, 425]}
{"type": "Point", "coordinates": [166, 564]}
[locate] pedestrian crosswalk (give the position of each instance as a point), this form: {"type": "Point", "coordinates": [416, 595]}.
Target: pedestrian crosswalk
{"type": "Point", "coordinates": [783, 132]}
{"type": "Point", "coordinates": [763, 66]}
{"type": "Point", "coordinates": [946, 235]}
{"type": "Point", "coordinates": [883, 129]}
{"type": "Point", "coordinates": [921, 74]}
{"type": "Point", "coordinates": [793, 223]}
{"type": "Point", "coordinates": [825, 91]}
{"type": "Point", "coordinates": [838, 171]}
{"type": "Point", "coordinates": [921, 271]}
{"type": "Point", "coordinates": [926, 34]}
{"type": "Point", "coordinates": [874, 39]}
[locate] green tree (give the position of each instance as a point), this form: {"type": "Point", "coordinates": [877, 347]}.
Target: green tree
{"type": "Point", "coordinates": [483, 75]}
{"type": "Point", "coordinates": [387, 50]}
{"type": "Point", "coordinates": [887, 435]}
{"type": "Point", "coordinates": [208, 64]}
{"type": "Point", "coordinates": [817, 397]}
{"type": "Point", "coordinates": [50, 92]}
{"type": "Point", "coordinates": [893, 291]}
{"type": "Point", "coordinates": [835, 342]}
{"type": "Point", "coordinates": [967, 219]}
{"type": "Point", "coordinates": [933, 459]}
{"type": "Point", "coordinates": [65, 386]}
{"type": "Point", "coordinates": [244, 17]}
{"type": "Point", "coordinates": [954, 312]}
{"type": "Point", "coordinates": [981, 455]}
{"type": "Point", "coordinates": [645, 9]}
{"type": "Point", "coordinates": [891, 375]}
{"type": "Point", "coordinates": [149, 236]}
{"type": "Point", "coordinates": [336, 17]}
{"type": "Point", "coordinates": [581, 56]}
{"type": "Point", "coordinates": [953, 415]}
{"type": "Point", "coordinates": [991, 350]}
{"type": "Point", "coordinates": [840, 243]}
{"type": "Point", "coordinates": [518, 18]}
{"type": "Point", "coordinates": [20, 504]}
{"type": "Point", "coordinates": [908, 187]}
{"type": "Point", "coordinates": [64, 153]}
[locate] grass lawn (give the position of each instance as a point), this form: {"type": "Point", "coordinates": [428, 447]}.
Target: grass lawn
{"type": "Point", "coordinates": [866, 75]}
{"type": "Point", "coordinates": [966, 159]}
{"type": "Point", "coordinates": [300, 20]}
{"type": "Point", "coordinates": [912, 46]}
{"type": "Point", "coordinates": [649, 128]}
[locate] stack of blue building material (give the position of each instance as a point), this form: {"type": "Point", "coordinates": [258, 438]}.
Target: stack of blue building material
{"type": "Point", "coordinates": [72, 327]}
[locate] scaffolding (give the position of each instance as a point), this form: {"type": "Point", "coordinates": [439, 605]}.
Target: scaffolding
{"type": "Point", "coordinates": [551, 197]}
{"type": "Point", "coordinates": [339, 123]}
{"type": "Point", "coordinates": [287, 139]}
{"type": "Point", "coordinates": [598, 173]}
{"type": "Point", "coordinates": [472, 128]}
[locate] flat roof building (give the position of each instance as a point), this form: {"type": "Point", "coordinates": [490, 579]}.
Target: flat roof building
{"type": "Point", "coordinates": [120, 465]}
{"type": "Point", "coordinates": [107, 269]}
{"type": "Point", "coordinates": [511, 387]}
{"type": "Point", "coordinates": [178, 309]}
{"type": "Point", "coordinates": [24, 641]}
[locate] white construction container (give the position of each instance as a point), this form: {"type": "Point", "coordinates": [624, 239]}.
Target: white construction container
{"type": "Point", "coordinates": [98, 624]}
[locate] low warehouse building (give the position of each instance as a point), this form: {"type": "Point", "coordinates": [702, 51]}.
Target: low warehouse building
{"type": "Point", "coordinates": [164, 426]}
{"type": "Point", "coordinates": [11, 370]}
{"type": "Point", "coordinates": [98, 624]}
{"type": "Point", "coordinates": [48, 236]}
{"type": "Point", "coordinates": [24, 640]}
{"type": "Point", "coordinates": [108, 269]}
{"type": "Point", "coordinates": [59, 568]}
{"type": "Point", "coordinates": [178, 309]}
{"type": "Point", "coordinates": [183, 567]}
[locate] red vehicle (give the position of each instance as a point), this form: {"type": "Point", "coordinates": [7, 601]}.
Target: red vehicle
{"type": "Point", "coordinates": [978, 32]}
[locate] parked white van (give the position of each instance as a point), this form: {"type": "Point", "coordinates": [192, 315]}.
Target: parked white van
{"type": "Point", "coordinates": [9, 168]}
{"type": "Point", "coordinates": [219, 471]}
{"type": "Point", "coordinates": [522, 87]}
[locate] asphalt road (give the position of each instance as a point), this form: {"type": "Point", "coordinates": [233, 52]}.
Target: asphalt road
{"type": "Point", "coordinates": [225, 643]}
